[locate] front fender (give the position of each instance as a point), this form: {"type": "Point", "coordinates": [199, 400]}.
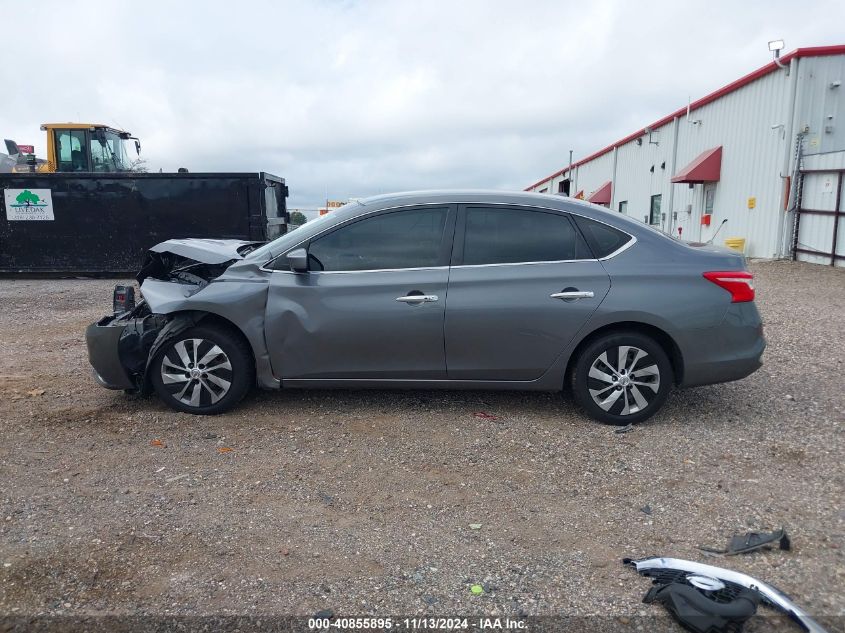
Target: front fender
{"type": "Point", "coordinates": [240, 302]}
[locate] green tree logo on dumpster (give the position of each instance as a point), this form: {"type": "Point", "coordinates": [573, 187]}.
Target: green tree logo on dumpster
{"type": "Point", "coordinates": [28, 199]}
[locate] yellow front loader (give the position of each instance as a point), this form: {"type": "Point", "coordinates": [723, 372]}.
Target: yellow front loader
{"type": "Point", "coordinates": [78, 147]}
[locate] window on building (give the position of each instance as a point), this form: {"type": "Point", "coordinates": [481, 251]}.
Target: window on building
{"type": "Point", "coordinates": [709, 197]}
{"type": "Point", "coordinates": [563, 186]}
{"type": "Point", "coordinates": [506, 236]}
{"type": "Point", "coordinates": [654, 210]}
{"type": "Point", "coordinates": [544, 190]}
{"type": "Point", "coordinates": [623, 207]}
{"type": "Point", "coordinates": [403, 239]}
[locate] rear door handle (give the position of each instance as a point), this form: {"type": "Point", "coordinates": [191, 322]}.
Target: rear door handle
{"type": "Point", "coordinates": [414, 299]}
{"type": "Point", "coordinates": [573, 294]}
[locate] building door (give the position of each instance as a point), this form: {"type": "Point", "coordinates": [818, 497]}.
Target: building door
{"type": "Point", "coordinates": [820, 238]}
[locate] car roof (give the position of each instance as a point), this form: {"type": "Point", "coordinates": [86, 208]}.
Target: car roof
{"type": "Point", "coordinates": [461, 195]}
{"type": "Point", "coordinates": [493, 196]}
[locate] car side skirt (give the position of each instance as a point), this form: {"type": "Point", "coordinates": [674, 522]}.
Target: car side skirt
{"type": "Point", "coordinates": [366, 383]}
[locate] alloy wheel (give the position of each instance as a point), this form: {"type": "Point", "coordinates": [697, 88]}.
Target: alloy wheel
{"type": "Point", "coordinates": [196, 372]}
{"type": "Point", "coordinates": [624, 380]}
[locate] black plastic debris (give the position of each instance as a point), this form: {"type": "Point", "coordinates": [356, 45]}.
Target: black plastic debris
{"type": "Point", "coordinates": [751, 541]}
{"type": "Point", "coordinates": [704, 611]}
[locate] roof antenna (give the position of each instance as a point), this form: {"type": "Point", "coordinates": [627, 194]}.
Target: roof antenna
{"type": "Point", "coordinates": [776, 46]}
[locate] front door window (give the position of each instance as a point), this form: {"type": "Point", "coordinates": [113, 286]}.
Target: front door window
{"type": "Point", "coordinates": [402, 239]}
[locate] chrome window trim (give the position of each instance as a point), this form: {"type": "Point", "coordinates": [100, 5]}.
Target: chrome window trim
{"type": "Point", "coordinates": [369, 270]}
{"type": "Point", "coordinates": [619, 250]}
{"type": "Point", "coordinates": [551, 261]}
{"type": "Point", "coordinates": [622, 248]}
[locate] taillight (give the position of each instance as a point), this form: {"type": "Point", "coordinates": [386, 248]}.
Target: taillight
{"type": "Point", "coordinates": [737, 282]}
{"type": "Point", "coordinates": [123, 299]}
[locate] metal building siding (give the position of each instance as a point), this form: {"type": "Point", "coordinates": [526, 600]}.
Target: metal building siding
{"type": "Point", "coordinates": [634, 181]}
{"type": "Point", "coordinates": [590, 176]}
{"type": "Point", "coordinates": [817, 100]}
{"type": "Point", "coordinates": [829, 161]}
{"type": "Point", "coordinates": [752, 158]}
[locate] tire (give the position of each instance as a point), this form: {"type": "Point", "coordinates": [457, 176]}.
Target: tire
{"type": "Point", "coordinates": [180, 370]}
{"type": "Point", "coordinates": [618, 395]}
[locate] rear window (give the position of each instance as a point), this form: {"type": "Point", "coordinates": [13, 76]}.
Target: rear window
{"type": "Point", "coordinates": [603, 239]}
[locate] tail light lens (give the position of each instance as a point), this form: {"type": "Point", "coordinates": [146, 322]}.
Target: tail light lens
{"type": "Point", "coordinates": [123, 299]}
{"type": "Point", "coordinates": [737, 282]}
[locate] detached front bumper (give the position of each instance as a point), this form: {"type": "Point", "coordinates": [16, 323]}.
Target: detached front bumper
{"type": "Point", "coordinates": [118, 349]}
{"type": "Point", "coordinates": [102, 339]}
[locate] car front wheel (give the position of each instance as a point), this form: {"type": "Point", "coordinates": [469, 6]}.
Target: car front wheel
{"type": "Point", "coordinates": [204, 370]}
{"type": "Point", "coordinates": [622, 378]}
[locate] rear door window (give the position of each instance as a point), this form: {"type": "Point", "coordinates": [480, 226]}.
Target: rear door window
{"type": "Point", "coordinates": [507, 236]}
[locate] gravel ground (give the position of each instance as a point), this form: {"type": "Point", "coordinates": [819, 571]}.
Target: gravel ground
{"type": "Point", "coordinates": [370, 502]}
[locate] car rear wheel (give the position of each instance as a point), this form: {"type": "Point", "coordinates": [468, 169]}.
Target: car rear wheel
{"type": "Point", "coordinates": [204, 370]}
{"type": "Point", "coordinates": [622, 378]}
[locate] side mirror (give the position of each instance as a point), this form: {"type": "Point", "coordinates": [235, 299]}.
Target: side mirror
{"type": "Point", "coordinates": [298, 260]}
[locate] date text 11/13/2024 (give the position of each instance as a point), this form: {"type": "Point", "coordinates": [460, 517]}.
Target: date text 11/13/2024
{"type": "Point", "coordinates": [442, 624]}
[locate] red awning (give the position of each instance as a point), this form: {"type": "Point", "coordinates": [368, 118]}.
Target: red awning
{"type": "Point", "coordinates": [705, 168]}
{"type": "Point", "coordinates": [602, 194]}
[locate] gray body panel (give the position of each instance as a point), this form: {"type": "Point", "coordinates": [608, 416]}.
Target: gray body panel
{"type": "Point", "coordinates": [502, 323]}
{"type": "Point", "coordinates": [349, 325]}
{"type": "Point", "coordinates": [491, 326]}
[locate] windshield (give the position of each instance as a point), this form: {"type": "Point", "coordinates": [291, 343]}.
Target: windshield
{"type": "Point", "coordinates": [108, 152]}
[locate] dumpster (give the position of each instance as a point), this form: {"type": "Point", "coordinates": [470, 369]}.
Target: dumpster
{"type": "Point", "coordinates": [104, 223]}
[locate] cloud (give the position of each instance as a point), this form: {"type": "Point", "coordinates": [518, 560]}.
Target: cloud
{"type": "Point", "coordinates": [355, 98]}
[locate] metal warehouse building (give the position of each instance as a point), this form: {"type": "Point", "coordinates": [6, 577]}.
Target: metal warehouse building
{"type": "Point", "coordinates": [765, 155]}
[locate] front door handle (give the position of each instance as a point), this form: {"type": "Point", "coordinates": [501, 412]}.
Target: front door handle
{"type": "Point", "coordinates": [417, 299]}
{"type": "Point", "coordinates": [573, 294]}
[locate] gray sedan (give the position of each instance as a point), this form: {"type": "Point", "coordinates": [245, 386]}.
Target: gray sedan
{"type": "Point", "coordinates": [463, 290]}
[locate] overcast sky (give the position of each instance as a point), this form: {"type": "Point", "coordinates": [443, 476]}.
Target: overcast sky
{"type": "Point", "coordinates": [348, 99]}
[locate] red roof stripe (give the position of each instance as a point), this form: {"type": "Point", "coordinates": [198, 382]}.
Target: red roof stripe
{"type": "Point", "coordinates": [813, 51]}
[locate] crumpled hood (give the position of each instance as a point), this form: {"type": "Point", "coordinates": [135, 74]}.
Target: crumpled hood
{"type": "Point", "coordinates": [207, 251]}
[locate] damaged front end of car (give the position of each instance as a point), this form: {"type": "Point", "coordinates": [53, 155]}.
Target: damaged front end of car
{"type": "Point", "coordinates": [122, 345]}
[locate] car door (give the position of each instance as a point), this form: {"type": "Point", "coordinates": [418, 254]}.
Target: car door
{"type": "Point", "coordinates": [522, 283]}
{"type": "Point", "coordinates": [371, 306]}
